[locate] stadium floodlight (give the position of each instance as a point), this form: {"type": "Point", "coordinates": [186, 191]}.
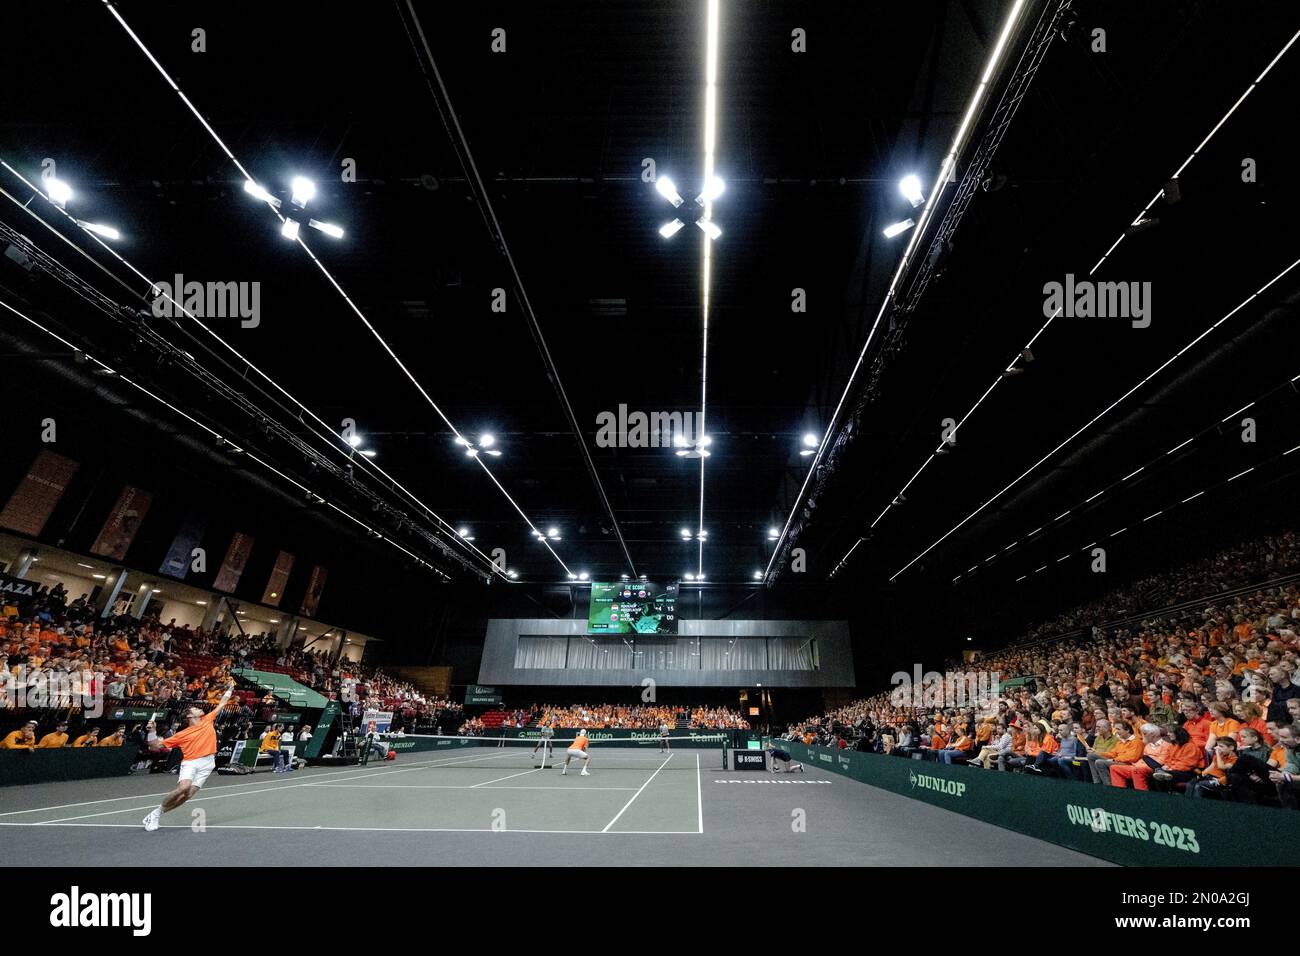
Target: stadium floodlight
{"type": "Point", "coordinates": [712, 189]}
{"type": "Point", "coordinates": [289, 229]}
{"type": "Point", "coordinates": [257, 192]}
{"type": "Point", "coordinates": [335, 232]}
{"type": "Point", "coordinates": [689, 576]}
{"type": "Point", "coordinates": [354, 440]}
{"type": "Point", "coordinates": [553, 533]}
{"type": "Point", "coordinates": [513, 574]}
{"type": "Point", "coordinates": [898, 228]}
{"type": "Point", "coordinates": [58, 191]}
{"type": "Point", "coordinates": [700, 211]}
{"type": "Point", "coordinates": [583, 575]}
{"type": "Point", "coordinates": [758, 575]}
{"type": "Point", "coordinates": [106, 232]}
{"type": "Point", "coordinates": [910, 187]}
{"type": "Point", "coordinates": [472, 449]}
{"type": "Point", "coordinates": [302, 189]}
{"type": "Point", "coordinates": [686, 532]}
{"type": "Point", "coordinates": [811, 440]}
{"type": "Point", "coordinates": [668, 189]}
{"type": "Point", "coordinates": [773, 534]}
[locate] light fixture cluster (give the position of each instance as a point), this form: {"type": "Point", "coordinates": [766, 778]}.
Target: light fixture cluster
{"type": "Point", "coordinates": [910, 187]}
{"type": "Point", "coordinates": [693, 212]}
{"type": "Point", "coordinates": [60, 193]}
{"type": "Point", "coordinates": [301, 191]}
{"type": "Point", "coordinates": [484, 445]}
{"type": "Point", "coordinates": [692, 449]}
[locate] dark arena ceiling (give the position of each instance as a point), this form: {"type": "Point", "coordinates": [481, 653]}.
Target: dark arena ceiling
{"type": "Point", "coordinates": [523, 170]}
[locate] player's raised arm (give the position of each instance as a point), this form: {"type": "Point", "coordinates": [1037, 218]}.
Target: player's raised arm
{"type": "Point", "coordinates": [225, 699]}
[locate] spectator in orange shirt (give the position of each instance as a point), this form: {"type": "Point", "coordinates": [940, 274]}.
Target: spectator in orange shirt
{"type": "Point", "coordinates": [1221, 724]}
{"type": "Point", "coordinates": [24, 738]}
{"type": "Point", "coordinates": [1212, 780]}
{"type": "Point", "coordinates": [1252, 716]}
{"type": "Point", "coordinates": [56, 740]}
{"type": "Point", "coordinates": [88, 739]}
{"type": "Point", "coordinates": [1197, 723]}
{"type": "Point", "coordinates": [1155, 751]}
{"type": "Point", "coordinates": [1182, 765]}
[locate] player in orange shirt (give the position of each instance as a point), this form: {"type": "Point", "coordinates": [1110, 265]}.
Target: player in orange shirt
{"type": "Point", "coordinates": [578, 749]}
{"type": "Point", "coordinates": [198, 744]}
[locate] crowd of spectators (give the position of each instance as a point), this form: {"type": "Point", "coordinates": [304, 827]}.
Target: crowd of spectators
{"type": "Point", "coordinates": [60, 657]}
{"type": "Point", "coordinates": [1202, 700]}
{"type": "Point", "coordinates": [613, 716]}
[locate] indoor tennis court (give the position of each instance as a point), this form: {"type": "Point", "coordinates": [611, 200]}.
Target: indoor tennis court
{"type": "Point", "coordinates": [637, 807]}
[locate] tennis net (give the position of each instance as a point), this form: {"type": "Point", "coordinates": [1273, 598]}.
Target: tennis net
{"type": "Point", "coordinates": [529, 753]}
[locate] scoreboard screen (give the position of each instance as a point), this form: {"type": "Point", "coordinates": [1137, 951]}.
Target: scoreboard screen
{"type": "Point", "coordinates": [632, 607]}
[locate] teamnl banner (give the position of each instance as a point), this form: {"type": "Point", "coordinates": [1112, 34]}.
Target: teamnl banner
{"type": "Point", "coordinates": [1130, 827]}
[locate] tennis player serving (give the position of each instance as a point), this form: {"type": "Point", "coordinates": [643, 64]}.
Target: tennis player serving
{"type": "Point", "coordinates": [198, 743]}
{"type": "Point", "coordinates": [578, 749]}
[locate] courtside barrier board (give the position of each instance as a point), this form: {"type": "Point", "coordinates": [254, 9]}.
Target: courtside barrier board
{"type": "Point", "coordinates": [1130, 827]}
{"type": "Point", "coordinates": [65, 763]}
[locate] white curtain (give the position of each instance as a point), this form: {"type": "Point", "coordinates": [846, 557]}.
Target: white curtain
{"type": "Point", "coordinates": [585, 654]}
{"type": "Point", "coordinates": [733, 654]}
{"type": "Point", "coordinates": [681, 654]}
{"type": "Point", "coordinates": [791, 653]}
{"type": "Point", "coordinates": [541, 652]}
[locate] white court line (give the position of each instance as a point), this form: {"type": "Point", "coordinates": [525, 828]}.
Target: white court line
{"type": "Point", "coordinates": [319, 776]}
{"type": "Point", "coordinates": [635, 795]}
{"type": "Point", "coordinates": [522, 773]}
{"type": "Point", "coordinates": [252, 826]}
{"type": "Point", "coordinates": [699, 791]}
{"type": "Point", "coordinates": [434, 786]}
{"type": "Point", "coordinates": [244, 791]}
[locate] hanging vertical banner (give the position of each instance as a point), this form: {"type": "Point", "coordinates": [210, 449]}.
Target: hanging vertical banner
{"type": "Point", "coordinates": [122, 523]}
{"type": "Point", "coordinates": [232, 568]}
{"type": "Point", "coordinates": [37, 494]}
{"type": "Point", "coordinates": [180, 555]}
{"type": "Point", "coordinates": [279, 576]}
{"type": "Point", "coordinates": [314, 588]}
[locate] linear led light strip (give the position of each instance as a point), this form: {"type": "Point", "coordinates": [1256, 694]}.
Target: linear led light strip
{"type": "Point", "coordinates": [325, 272]}
{"type": "Point", "coordinates": [710, 142]}
{"type": "Point", "coordinates": [1138, 218]}
{"type": "Point", "coordinates": [336, 441]}
{"type": "Point", "coordinates": [194, 421]}
{"type": "Point", "coordinates": [1166, 510]}
{"type": "Point", "coordinates": [941, 181]}
{"type": "Point", "coordinates": [1135, 472]}
{"type": "Point", "coordinates": [1092, 421]}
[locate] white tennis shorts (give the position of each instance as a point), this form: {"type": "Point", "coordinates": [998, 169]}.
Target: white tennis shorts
{"type": "Point", "coordinates": [578, 752]}
{"type": "Point", "coordinates": [198, 771]}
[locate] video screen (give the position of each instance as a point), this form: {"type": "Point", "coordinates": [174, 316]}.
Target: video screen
{"type": "Point", "coordinates": [632, 607]}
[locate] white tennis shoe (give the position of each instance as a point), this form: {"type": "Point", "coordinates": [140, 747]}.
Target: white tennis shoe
{"type": "Point", "coordinates": [151, 822]}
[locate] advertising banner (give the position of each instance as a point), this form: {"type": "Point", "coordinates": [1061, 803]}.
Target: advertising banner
{"type": "Point", "coordinates": [122, 523]}
{"type": "Point", "coordinates": [40, 490]}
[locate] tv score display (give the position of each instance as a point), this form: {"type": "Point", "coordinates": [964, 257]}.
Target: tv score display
{"type": "Point", "coordinates": [632, 607]}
